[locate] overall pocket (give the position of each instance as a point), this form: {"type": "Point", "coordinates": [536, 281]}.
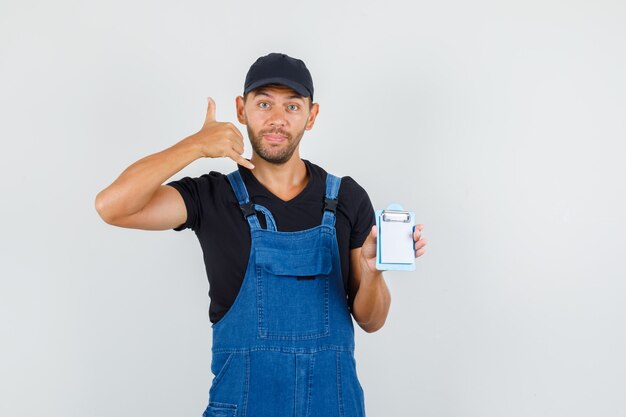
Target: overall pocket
{"type": "Point", "coordinates": [220, 410]}
{"type": "Point", "coordinates": [229, 381]}
{"type": "Point", "coordinates": [292, 292]}
{"type": "Point", "coordinates": [219, 366]}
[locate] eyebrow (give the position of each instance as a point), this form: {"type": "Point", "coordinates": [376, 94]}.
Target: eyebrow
{"type": "Point", "coordinates": [262, 92]}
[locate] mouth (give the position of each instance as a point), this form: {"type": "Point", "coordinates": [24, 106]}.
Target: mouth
{"type": "Point", "coordinates": [275, 138]}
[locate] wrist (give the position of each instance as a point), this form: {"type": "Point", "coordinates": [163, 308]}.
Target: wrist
{"type": "Point", "coordinates": [367, 273]}
{"type": "Point", "coordinates": [192, 146]}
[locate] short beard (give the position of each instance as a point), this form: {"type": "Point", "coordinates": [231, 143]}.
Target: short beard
{"type": "Point", "coordinates": [267, 153]}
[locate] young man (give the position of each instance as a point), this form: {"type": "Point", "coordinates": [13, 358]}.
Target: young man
{"type": "Point", "coordinates": [289, 250]}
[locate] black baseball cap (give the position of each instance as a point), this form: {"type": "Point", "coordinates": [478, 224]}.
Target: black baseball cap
{"type": "Point", "coordinates": [277, 68]}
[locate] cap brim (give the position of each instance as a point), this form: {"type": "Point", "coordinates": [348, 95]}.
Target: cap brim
{"type": "Point", "coordinates": [297, 87]}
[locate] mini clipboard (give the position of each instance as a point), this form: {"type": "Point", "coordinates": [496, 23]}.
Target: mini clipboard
{"type": "Point", "coordinates": [395, 244]}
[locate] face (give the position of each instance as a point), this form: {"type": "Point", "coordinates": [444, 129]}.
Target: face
{"type": "Point", "coordinates": [276, 118]}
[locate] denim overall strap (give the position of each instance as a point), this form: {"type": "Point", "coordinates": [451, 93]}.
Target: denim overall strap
{"type": "Point", "coordinates": [330, 202]}
{"type": "Point", "coordinates": [247, 207]}
{"type": "Point", "coordinates": [269, 219]}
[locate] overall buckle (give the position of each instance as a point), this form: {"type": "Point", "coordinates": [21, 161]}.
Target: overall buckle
{"type": "Point", "coordinates": [330, 205]}
{"type": "Point", "coordinates": [247, 209]}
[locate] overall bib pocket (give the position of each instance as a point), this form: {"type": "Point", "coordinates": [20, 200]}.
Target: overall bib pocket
{"type": "Point", "coordinates": [292, 292]}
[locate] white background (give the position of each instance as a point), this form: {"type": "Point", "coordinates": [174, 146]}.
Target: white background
{"type": "Point", "coordinates": [501, 124]}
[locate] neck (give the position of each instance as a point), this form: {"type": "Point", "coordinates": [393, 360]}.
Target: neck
{"type": "Point", "coordinates": [285, 180]}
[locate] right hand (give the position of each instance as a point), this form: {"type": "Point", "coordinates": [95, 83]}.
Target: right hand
{"type": "Point", "coordinates": [220, 139]}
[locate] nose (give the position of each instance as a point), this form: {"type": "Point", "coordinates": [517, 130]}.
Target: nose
{"type": "Point", "coordinates": [277, 117]}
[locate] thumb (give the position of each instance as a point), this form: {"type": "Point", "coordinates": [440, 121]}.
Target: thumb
{"type": "Point", "coordinates": [371, 238]}
{"type": "Point", "coordinates": [369, 245]}
{"type": "Point", "coordinates": [210, 112]}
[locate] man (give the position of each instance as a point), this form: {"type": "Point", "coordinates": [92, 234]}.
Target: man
{"type": "Point", "coordinates": [289, 249]}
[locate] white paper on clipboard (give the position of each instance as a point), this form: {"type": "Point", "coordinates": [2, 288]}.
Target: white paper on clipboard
{"type": "Point", "coordinates": [396, 242]}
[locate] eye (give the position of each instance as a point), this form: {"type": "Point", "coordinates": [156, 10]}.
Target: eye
{"type": "Point", "coordinates": [293, 107]}
{"type": "Point", "coordinates": [261, 104]}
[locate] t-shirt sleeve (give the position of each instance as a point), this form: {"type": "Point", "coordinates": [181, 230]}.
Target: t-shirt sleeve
{"type": "Point", "coordinates": [364, 216]}
{"type": "Point", "coordinates": [192, 190]}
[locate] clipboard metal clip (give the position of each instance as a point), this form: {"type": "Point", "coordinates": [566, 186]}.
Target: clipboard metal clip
{"type": "Point", "coordinates": [396, 216]}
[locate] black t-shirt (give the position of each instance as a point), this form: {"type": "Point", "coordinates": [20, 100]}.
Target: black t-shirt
{"type": "Point", "coordinates": [214, 215]}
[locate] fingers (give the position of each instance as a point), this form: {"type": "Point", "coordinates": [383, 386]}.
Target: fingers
{"type": "Point", "coordinates": [417, 232]}
{"type": "Point", "coordinates": [238, 136]}
{"type": "Point", "coordinates": [419, 248]}
{"type": "Point", "coordinates": [237, 145]}
{"type": "Point", "coordinates": [210, 112]}
{"type": "Point", "coordinates": [240, 159]}
{"type": "Point", "coordinates": [236, 139]}
{"type": "Point", "coordinates": [222, 139]}
{"type": "Point", "coordinates": [420, 242]}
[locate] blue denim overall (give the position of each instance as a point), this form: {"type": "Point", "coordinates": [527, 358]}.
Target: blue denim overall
{"type": "Point", "coordinates": [285, 348]}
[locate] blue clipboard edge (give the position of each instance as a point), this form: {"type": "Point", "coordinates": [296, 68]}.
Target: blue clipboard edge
{"type": "Point", "coordinates": [392, 266]}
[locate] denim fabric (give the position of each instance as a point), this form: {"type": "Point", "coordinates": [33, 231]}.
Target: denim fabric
{"type": "Point", "coordinates": [285, 348]}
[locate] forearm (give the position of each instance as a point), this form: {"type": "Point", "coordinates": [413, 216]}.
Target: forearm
{"type": "Point", "coordinates": [136, 185]}
{"type": "Point", "coordinates": [372, 301]}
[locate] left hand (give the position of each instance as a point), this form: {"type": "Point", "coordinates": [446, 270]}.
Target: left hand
{"type": "Point", "coordinates": [368, 250]}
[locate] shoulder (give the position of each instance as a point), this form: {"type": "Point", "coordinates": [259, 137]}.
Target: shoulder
{"type": "Point", "coordinates": [206, 198]}
{"type": "Point", "coordinates": [349, 187]}
{"type": "Point", "coordinates": [212, 190]}
{"type": "Point", "coordinates": [205, 183]}
{"type": "Point", "coordinates": [212, 177]}
{"type": "Point", "coordinates": [354, 204]}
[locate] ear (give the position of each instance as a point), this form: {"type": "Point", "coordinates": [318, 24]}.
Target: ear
{"type": "Point", "coordinates": [315, 108]}
{"type": "Point", "coordinates": [241, 114]}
